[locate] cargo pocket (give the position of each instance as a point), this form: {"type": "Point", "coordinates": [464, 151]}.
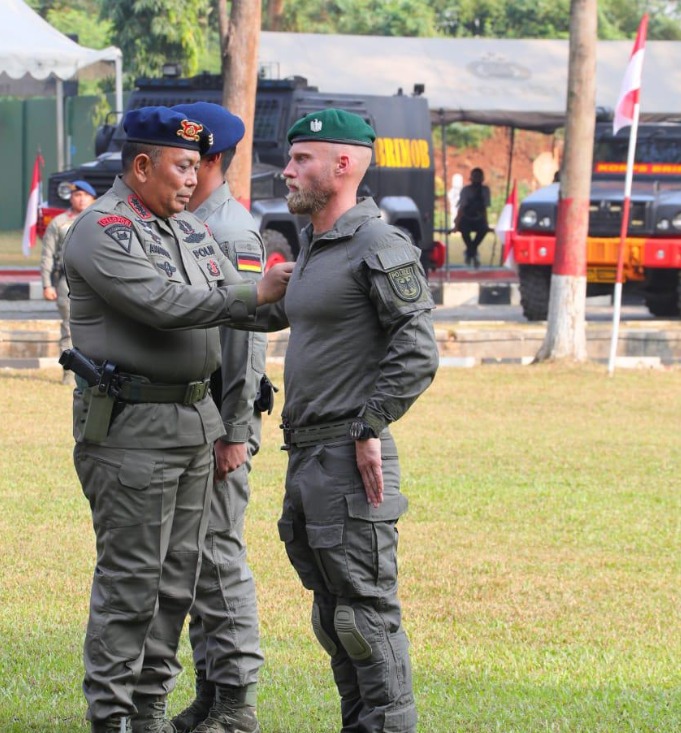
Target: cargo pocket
{"type": "Point", "coordinates": [371, 543]}
{"type": "Point", "coordinates": [130, 504]}
{"type": "Point", "coordinates": [326, 541]}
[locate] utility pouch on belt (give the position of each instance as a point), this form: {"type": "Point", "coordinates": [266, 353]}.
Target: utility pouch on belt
{"type": "Point", "coordinates": [264, 400]}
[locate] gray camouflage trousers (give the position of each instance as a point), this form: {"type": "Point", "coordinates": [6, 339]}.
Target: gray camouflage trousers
{"type": "Point", "coordinates": [345, 552]}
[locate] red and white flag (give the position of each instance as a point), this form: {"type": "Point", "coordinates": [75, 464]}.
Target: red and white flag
{"type": "Point", "coordinates": [31, 221]}
{"type": "Point", "coordinates": [631, 84]}
{"type": "Point", "coordinates": [505, 224]}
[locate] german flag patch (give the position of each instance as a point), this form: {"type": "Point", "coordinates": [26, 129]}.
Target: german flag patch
{"type": "Point", "coordinates": [248, 262]}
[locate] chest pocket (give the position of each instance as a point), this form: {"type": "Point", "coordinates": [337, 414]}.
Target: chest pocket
{"type": "Point", "coordinates": [399, 279]}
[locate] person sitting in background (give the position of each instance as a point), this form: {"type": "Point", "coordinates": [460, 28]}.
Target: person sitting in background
{"type": "Point", "coordinates": [472, 215]}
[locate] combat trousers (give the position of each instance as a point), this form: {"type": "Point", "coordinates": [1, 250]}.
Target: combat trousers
{"type": "Point", "coordinates": [223, 629]}
{"type": "Point", "coordinates": [149, 512]}
{"type": "Point", "coordinates": [345, 551]}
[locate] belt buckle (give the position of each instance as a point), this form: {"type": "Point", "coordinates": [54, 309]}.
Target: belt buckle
{"type": "Point", "coordinates": [195, 391]}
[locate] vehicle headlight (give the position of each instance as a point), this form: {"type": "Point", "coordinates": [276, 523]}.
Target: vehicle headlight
{"type": "Point", "coordinates": [663, 225]}
{"type": "Point", "coordinates": [676, 221]}
{"type": "Point", "coordinates": [64, 190]}
{"type": "Point", "coordinates": [529, 218]}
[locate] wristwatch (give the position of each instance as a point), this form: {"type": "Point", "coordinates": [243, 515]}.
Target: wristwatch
{"type": "Point", "coordinates": [359, 430]}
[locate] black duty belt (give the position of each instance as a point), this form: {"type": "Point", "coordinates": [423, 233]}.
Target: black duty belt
{"type": "Point", "coordinates": [315, 434]}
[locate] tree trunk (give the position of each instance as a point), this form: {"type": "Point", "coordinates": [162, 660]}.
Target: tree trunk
{"type": "Point", "coordinates": [239, 42]}
{"type": "Point", "coordinates": [566, 329]}
{"type": "Point", "coordinates": [275, 12]}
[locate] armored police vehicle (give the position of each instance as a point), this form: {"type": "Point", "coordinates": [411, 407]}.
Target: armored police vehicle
{"type": "Point", "coordinates": [401, 178]}
{"type": "Point", "coordinates": [652, 250]}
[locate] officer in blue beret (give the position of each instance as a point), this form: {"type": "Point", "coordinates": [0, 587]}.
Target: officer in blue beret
{"type": "Point", "coordinates": [361, 350]}
{"type": "Point", "coordinates": [223, 628]}
{"type": "Point", "coordinates": [149, 288]}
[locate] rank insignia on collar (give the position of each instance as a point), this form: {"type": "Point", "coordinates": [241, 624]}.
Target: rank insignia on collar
{"type": "Point", "coordinates": [190, 130]}
{"type": "Point", "coordinates": [138, 207]}
{"type": "Point", "coordinates": [405, 283]}
{"type": "Point", "coordinates": [212, 267]}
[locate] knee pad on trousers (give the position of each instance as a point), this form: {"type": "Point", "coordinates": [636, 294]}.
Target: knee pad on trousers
{"type": "Point", "coordinates": [323, 638]}
{"type": "Point", "coordinates": [357, 647]}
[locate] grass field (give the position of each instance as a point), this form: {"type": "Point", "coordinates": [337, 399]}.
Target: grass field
{"type": "Point", "coordinates": [540, 559]}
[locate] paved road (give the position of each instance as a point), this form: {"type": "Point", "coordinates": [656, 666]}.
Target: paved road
{"type": "Point", "coordinates": [597, 310]}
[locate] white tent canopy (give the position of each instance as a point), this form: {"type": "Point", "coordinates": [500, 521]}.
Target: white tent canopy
{"type": "Point", "coordinates": [32, 46]}
{"type": "Point", "coordinates": [519, 83]}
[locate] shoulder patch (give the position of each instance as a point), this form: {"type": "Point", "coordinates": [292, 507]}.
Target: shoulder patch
{"type": "Point", "coordinates": [395, 257]}
{"type": "Point", "coordinates": [213, 269]}
{"type": "Point", "coordinates": [121, 234]}
{"type": "Point", "coordinates": [114, 219]}
{"type": "Point", "coordinates": [405, 282]}
{"type": "Point", "coordinates": [167, 268]}
{"type": "Point", "coordinates": [248, 262]}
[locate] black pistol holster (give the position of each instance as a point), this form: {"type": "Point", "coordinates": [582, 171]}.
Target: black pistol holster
{"type": "Point", "coordinates": [264, 400]}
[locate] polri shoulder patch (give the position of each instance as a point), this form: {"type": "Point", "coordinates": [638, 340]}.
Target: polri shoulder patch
{"type": "Point", "coordinates": [119, 229]}
{"type": "Point", "coordinates": [213, 269]}
{"type": "Point", "coordinates": [405, 283]}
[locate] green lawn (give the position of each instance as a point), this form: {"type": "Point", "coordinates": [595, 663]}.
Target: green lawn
{"type": "Point", "coordinates": [540, 559]}
{"type": "Point", "coordinates": [11, 254]}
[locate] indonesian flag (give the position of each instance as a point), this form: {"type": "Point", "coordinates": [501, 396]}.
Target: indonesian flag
{"type": "Point", "coordinates": [31, 221]}
{"type": "Point", "coordinates": [631, 84]}
{"type": "Point", "coordinates": [505, 224]}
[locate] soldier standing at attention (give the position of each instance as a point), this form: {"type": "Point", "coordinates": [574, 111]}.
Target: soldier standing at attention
{"type": "Point", "coordinates": [361, 350]}
{"type": "Point", "coordinates": [52, 260]}
{"type": "Point", "coordinates": [223, 629]}
{"type": "Point", "coordinates": [148, 286]}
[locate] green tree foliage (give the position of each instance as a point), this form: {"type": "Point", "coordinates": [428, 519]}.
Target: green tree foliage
{"type": "Point", "coordinates": [359, 17]}
{"type": "Point", "coordinates": [151, 33]}
{"type": "Point", "coordinates": [81, 20]}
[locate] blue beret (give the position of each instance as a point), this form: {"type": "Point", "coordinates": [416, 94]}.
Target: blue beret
{"type": "Point", "coordinates": [333, 126]}
{"type": "Point", "coordinates": [81, 185]}
{"type": "Point", "coordinates": [163, 126]}
{"type": "Point", "coordinates": [227, 129]}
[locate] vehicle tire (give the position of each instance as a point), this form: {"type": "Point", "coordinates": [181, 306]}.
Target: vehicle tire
{"type": "Point", "coordinates": [277, 248]}
{"type": "Point", "coordinates": [535, 288]}
{"type": "Point", "coordinates": [662, 293]}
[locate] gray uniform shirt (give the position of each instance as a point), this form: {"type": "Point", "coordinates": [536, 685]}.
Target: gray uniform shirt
{"type": "Point", "coordinates": [243, 352]}
{"type": "Point", "coordinates": [51, 258]}
{"type": "Point", "coordinates": [147, 294]}
{"type": "Point", "coordinates": [362, 339]}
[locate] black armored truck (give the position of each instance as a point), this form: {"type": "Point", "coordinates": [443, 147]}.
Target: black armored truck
{"type": "Point", "coordinates": [401, 178]}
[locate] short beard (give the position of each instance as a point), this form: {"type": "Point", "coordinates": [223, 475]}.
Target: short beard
{"type": "Point", "coordinates": [307, 202]}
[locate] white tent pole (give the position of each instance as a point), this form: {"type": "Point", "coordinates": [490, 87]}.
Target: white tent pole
{"type": "Point", "coordinates": [60, 124]}
{"type": "Point", "coordinates": [118, 65]}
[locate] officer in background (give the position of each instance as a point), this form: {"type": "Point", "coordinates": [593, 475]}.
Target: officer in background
{"type": "Point", "coordinates": [224, 619]}
{"type": "Point", "coordinates": [52, 261]}
{"type": "Point", "coordinates": [361, 350]}
{"type": "Point", "coordinates": [148, 286]}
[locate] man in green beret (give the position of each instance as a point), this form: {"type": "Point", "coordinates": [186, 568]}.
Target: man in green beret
{"type": "Point", "coordinates": [361, 351]}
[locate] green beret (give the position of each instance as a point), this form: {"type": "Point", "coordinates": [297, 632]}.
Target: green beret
{"type": "Point", "coordinates": [333, 126]}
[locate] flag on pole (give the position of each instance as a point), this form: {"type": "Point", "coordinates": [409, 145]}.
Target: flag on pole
{"type": "Point", "coordinates": [31, 220]}
{"type": "Point", "coordinates": [505, 224]}
{"type": "Point", "coordinates": [631, 84]}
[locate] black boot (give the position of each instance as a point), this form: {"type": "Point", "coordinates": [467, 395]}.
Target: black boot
{"type": "Point", "coordinates": [114, 724]}
{"type": "Point", "coordinates": [151, 715]}
{"type": "Point", "coordinates": [233, 711]}
{"type": "Point", "coordinates": [198, 710]}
